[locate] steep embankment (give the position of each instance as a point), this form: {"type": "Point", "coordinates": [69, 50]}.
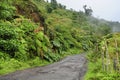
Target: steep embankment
{"type": "Point", "coordinates": [35, 33]}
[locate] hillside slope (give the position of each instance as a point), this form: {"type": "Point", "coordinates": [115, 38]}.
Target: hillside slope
{"type": "Point", "coordinates": [36, 33]}
{"type": "Point", "coordinates": [31, 35]}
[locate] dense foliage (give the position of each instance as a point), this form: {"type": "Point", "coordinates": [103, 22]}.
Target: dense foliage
{"type": "Point", "coordinates": [105, 61]}
{"type": "Point", "coordinates": [36, 33]}
{"type": "Point", "coordinates": [38, 40]}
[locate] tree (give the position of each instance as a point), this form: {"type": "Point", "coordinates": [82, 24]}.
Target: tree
{"type": "Point", "coordinates": [54, 4]}
{"type": "Point", "coordinates": [49, 8]}
{"type": "Point", "coordinates": [61, 6]}
{"type": "Point", "coordinates": [88, 11]}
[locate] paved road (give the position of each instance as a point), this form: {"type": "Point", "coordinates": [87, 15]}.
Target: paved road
{"type": "Point", "coordinates": [70, 68]}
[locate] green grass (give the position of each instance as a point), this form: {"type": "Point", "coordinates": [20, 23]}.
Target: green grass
{"type": "Point", "coordinates": [11, 65]}
{"type": "Point", "coordinates": [14, 65]}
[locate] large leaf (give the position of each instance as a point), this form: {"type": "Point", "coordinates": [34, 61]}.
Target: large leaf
{"type": "Point", "coordinates": [40, 35]}
{"type": "Point", "coordinates": [56, 43]}
{"type": "Point", "coordinates": [38, 43]}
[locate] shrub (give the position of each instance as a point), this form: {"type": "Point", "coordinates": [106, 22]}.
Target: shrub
{"type": "Point", "coordinates": [8, 38]}
{"type": "Point", "coordinates": [6, 10]}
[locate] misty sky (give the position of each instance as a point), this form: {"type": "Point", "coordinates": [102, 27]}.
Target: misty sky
{"type": "Point", "coordinates": [107, 9]}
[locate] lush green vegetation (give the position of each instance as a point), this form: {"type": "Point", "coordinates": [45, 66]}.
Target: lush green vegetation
{"type": "Point", "coordinates": [104, 64]}
{"type": "Point", "coordinates": [31, 36]}
{"type": "Point", "coordinates": [36, 33]}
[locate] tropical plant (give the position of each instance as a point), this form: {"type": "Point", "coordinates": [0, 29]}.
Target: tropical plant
{"type": "Point", "coordinates": [7, 11]}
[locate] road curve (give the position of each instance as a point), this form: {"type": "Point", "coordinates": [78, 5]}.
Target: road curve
{"type": "Point", "coordinates": [70, 68]}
